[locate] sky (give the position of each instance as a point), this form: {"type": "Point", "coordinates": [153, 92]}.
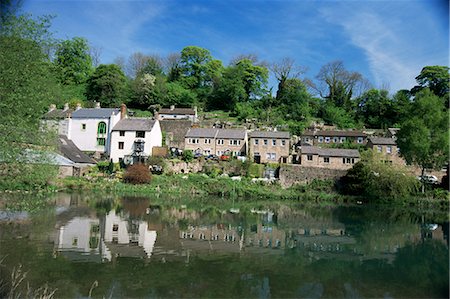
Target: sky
{"type": "Point", "coordinates": [388, 42]}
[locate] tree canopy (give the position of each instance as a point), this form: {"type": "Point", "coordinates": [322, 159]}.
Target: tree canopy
{"type": "Point", "coordinates": [107, 85]}
{"type": "Point", "coordinates": [74, 61]}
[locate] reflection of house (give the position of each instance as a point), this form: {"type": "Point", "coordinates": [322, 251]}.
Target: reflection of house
{"type": "Point", "coordinates": [134, 137]}
{"type": "Point", "coordinates": [90, 128]}
{"type": "Point", "coordinates": [266, 147]}
{"type": "Point", "coordinates": [387, 147]}
{"type": "Point", "coordinates": [216, 141]}
{"type": "Point", "coordinates": [177, 113]}
{"type": "Point", "coordinates": [318, 137]}
{"type": "Point", "coordinates": [328, 157]}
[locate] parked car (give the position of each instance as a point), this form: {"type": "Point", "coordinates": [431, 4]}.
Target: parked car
{"type": "Point", "coordinates": [197, 155]}
{"type": "Point", "coordinates": [212, 158]}
{"type": "Point", "coordinates": [428, 178]}
{"type": "Point", "coordinates": [225, 157]}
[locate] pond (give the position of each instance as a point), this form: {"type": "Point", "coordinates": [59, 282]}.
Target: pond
{"type": "Point", "coordinates": [115, 247]}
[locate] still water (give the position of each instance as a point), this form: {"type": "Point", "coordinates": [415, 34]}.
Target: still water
{"type": "Point", "coordinates": [129, 247]}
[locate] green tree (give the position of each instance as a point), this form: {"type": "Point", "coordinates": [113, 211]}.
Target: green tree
{"type": "Point", "coordinates": [436, 78]}
{"type": "Point", "coordinates": [376, 109]}
{"type": "Point", "coordinates": [73, 60]}
{"type": "Point", "coordinates": [27, 87]}
{"type": "Point", "coordinates": [295, 100]}
{"type": "Point", "coordinates": [107, 85]}
{"type": "Point", "coordinates": [423, 139]}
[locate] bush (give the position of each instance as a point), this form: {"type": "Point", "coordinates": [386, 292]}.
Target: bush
{"type": "Point", "coordinates": [137, 174]}
{"type": "Point", "coordinates": [188, 156]}
{"type": "Point", "coordinates": [255, 170]}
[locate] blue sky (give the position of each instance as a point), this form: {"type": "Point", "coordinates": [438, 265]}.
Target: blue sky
{"type": "Point", "coordinates": [387, 41]}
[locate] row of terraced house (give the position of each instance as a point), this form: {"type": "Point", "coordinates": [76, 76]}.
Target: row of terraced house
{"type": "Point", "coordinates": [113, 133]}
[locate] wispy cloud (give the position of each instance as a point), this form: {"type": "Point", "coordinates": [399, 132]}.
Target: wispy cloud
{"type": "Point", "coordinates": [395, 54]}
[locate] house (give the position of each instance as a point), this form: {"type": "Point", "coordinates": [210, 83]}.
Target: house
{"type": "Point", "coordinates": [177, 113]}
{"type": "Point", "coordinates": [90, 128]}
{"type": "Point", "coordinates": [318, 137]}
{"type": "Point", "coordinates": [133, 139]}
{"type": "Point", "coordinates": [207, 141]}
{"type": "Point", "coordinates": [392, 133]}
{"type": "Point", "coordinates": [269, 146]}
{"type": "Point", "coordinates": [57, 119]}
{"type": "Point", "coordinates": [331, 158]}
{"type": "Point", "coordinates": [174, 132]}
{"type": "Point", "coordinates": [70, 151]}
{"type": "Point", "coordinates": [387, 147]}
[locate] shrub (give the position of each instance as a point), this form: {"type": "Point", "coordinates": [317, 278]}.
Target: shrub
{"type": "Point", "coordinates": [255, 170]}
{"type": "Point", "coordinates": [137, 174]}
{"type": "Point", "coordinates": [188, 156]}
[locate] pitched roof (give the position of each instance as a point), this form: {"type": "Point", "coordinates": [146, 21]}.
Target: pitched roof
{"type": "Point", "coordinates": [94, 112]}
{"type": "Point", "coordinates": [177, 111]}
{"type": "Point", "coordinates": [382, 141]}
{"type": "Point", "coordinates": [201, 132]}
{"type": "Point", "coordinates": [57, 114]}
{"type": "Point", "coordinates": [72, 152]}
{"type": "Point", "coordinates": [135, 124]}
{"type": "Point", "coordinates": [335, 133]}
{"type": "Point", "coordinates": [330, 152]}
{"type": "Point", "coordinates": [231, 134]}
{"type": "Point", "coordinates": [269, 134]}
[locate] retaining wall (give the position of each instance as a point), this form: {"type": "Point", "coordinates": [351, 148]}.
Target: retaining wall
{"type": "Point", "coordinates": [294, 174]}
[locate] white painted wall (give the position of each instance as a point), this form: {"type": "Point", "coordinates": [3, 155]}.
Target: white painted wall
{"type": "Point", "coordinates": [152, 138]}
{"type": "Point", "coordinates": [86, 140]}
{"type": "Point", "coordinates": [78, 228]}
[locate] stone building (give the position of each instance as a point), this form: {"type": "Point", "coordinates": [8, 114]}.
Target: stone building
{"type": "Point", "coordinates": [387, 147]}
{"type": "Point", "coordinates": [269, 147]}
{"type": "Point", "coordinates": [331, 158]}
{"type": "Point", "coordinates": [177, 113]}
{"type": "Point", "coordinates": [207, 141]}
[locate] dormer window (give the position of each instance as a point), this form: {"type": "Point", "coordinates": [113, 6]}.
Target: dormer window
{"type": "Point", "coordinates": [140, 134]}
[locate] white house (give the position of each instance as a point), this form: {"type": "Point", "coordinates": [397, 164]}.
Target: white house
{"type": "Point", "coordinates": [134, 138]}
{"type": "Point", "coordinates": [90, 128]}
{"type": "Point", "coordinates": [177, 113]}
{"type": "Point", "coordinates": [57, 119]}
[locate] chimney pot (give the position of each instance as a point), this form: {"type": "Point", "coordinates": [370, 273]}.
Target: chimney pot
{"type": "Point", "coordinates": [66, 106]}
{"type": "Point", "coordinates": [123, 111]}
{"type": "Point", "coordinates": [172, 107]}
{"type": "Point", "coordinates": [52, 107]}
{"type": "Point", "coordinates": [78, 106]}
{"type": "Point", "coordinates": [97, 105]}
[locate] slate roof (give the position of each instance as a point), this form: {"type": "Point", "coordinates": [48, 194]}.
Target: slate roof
{"type": "Point", "coordinates": [95, 112]}
{"type": "Point", "coordinates": [177, 111]}
{"type": "Point", "coordinates": [231, 134]}
{"type": "Point", "coordinates": [270, 134]}
{"type": "Point", "coordinates": [335, 133]}
{"type": "Point", "coordinates": [329, 152]}
{"type": "Point", "coordinates": [72, 152]}
{"type": "Point", "coordinates": [58, 114]}
{"type": "Point", "coordinates": [134, 124]}
{"type": "Point", "coordinates": [382, 141]}
{"type": "Point", "coordinates": [201, 132]}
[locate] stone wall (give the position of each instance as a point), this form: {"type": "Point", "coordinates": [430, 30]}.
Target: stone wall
{"type": "Point", "coordinates": [294, 174]}
{"type": "Point", "coordinates": [183, 167]}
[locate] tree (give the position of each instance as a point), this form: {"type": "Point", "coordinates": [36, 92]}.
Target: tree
{"type": "Point", "coordinates": [436, 78]}
{"type": "Point", "coordinates": [294, 100]}
{"type": "Point", "coordinates": [284, 70]}
{"type": "Point", "coordinates": [107, 85]}
{"type": "Point", "coordinates": [376, 109]}
{"type": "Point", "coordinates": [423, 139]}
{"type": "Point", "coordinates": [27, 87]}
{"type": "Point", "coordinates": [73, 60]}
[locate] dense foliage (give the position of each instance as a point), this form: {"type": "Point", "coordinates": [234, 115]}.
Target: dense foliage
{"type": "Point", "coordinates": [137, 174]}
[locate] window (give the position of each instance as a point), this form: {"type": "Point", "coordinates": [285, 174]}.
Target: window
{"type": "Point", "coordinates": [207, 141]}
{"type": "Point", "coordinates": [326, 160]}
{"type": "Point", "coordinates": [379, 148]}
{"type": "Point", "coordinates": [75, 241]}
{"type": "Point", "coordinates": [207, 152]}
{"type": "Point", "coordinates": [389, 149]}
{"type": "Point", "coordinates": [122, 133]}
{"type": "Point", "coordinates": [220, 141]}
{"type": "Point", "coordinates": [309, 157]}
{"type": "Point", "coordinates": [101, 141]}
{"type": "Point", "coordinates": [348, 160]}
{"type": "Point", "coordinates": [101, 128]}
{"type": "Point", "coordinates": [274, 142]}
{"type": "Point", "coordinates": [140, 134]}
{"type": "Point", "coordinates": [320, 139]}
{"type": "Point", "coordinates": [306, 139]}
{"type": "Point", "coordinates": [265, 141]}
{"type": "Point", "coordinates": [83, 127]}
{"type": "Point", "coordinates": [194, 140]}
{"type": "Point", "coordinates": [120, 145]}
{"type": "Point", "coordinates": [235, 142]}
{"type": "Point", "coordinates": [115, 228]}
{"type": "Point", "coordinates": [335, 139]}
{"type": "Point", "coordinates": [283, 142]}
{"type": "Point", "coordinates": [359, 140]}
{"type": "Point", "coordinates": [327, 139]}
{"type": "Point", "coordinates": [342, 139]}
{"type": "Point", "coordinates": [256, 141]}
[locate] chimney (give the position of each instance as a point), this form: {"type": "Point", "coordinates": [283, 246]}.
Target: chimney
{"type": "Point", "coordinates": [156, 115]}
{"type": "Point", "coordinates": [66, 106]}
{"type": "Point", "coordinates": [78, 106]}
{"type": "Point", "coordinates": [97, 105]}
{"type": "Point", "coordinates": [52, 107]}
{"type": "Point", "coordinates": [172, 107]}
{"type": "Point", "coordinates": [123, 111]}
